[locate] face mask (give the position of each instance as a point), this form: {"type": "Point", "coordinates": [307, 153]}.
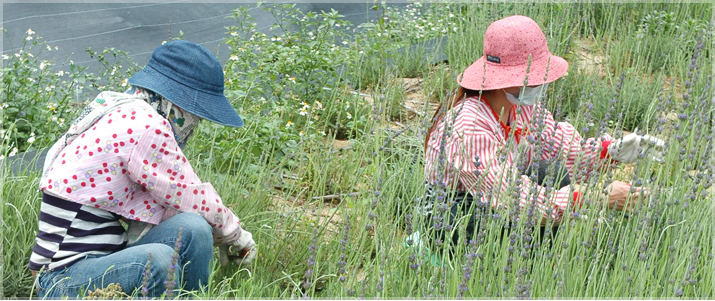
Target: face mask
{"type": "Point", "coordinates": [182, 122]}
{"type": "Point", "coordinates": [528, 96]}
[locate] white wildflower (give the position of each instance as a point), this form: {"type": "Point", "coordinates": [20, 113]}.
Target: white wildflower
{"type": "Point", "coordinates": [30, 79]}
{"type": "Point", "coordinates": [60, 73]}
{"type": "Point", "coordinates": [234, 34]}
{"type": "Point", "coordinates": [57, 48]}
{"type": "Point", "coordinates": [30, 54]}
{"type": "Point", "coordinates": [17, 54]}
{"type": "Point", "coordinates": [303, 112]}
{"type": "Point", "coordinates": [61, 121]}
{"type": "Point", "coordinates": [124, 82]}
{"type": "Point", "coordinates": [289, 124]}
{"type": "Point", "coordinates": [31, 139]}
{"type": "Point", "coordinates": [292, 79]}
{"type": "Point", "coordinates": [163, 42]}
{"type": "Point", "coordinates": [350, 116]}
{"type": "Point", "coordinates": [29, 38]}
{"type": "Point", "coordinates": [13, 152]}
{"type": "Point", "coordinates": [43, 65]}
{"type": "Point", "coordinates": [300, 134]}
{"type": "Point", "coordinates": [5, 57]}
{"type": "Point", "coordinates": [320, 105]}
{"type": "Point", "coordinates": [233, 57]}
{"type": "Point", "coordinates": [322, 133]}
{"type": "Point", "coordinates": [30, 32]}
{"type": "Point", "coordinates": [345, 42]}
{"type": "Point", "coordinates": [49, 48]}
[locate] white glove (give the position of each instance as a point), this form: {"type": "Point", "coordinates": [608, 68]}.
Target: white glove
{"type": "Point", "coordinates": [626, 149]}
{"type": "Point", "coordinates": [242, 251]}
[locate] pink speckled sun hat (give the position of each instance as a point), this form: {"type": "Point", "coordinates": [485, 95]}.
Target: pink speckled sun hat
{"type": "Point", "coordinates": [507, 45]}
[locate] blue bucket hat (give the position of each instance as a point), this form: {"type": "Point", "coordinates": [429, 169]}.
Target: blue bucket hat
{"type": "Point", "coordinates": [190, 76]}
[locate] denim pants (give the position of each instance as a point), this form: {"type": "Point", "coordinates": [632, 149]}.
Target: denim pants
{"type": "Point", "coordinates": [127, 266]}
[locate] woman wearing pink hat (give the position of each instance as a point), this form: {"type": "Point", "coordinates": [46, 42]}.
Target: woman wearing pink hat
{"type": "Point", "coordinates": [496, 122]}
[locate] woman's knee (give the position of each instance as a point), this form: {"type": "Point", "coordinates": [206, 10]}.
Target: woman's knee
{"type": "Point", "coordinates": [195, 226]}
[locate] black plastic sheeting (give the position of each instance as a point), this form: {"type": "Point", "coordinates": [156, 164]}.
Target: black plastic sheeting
{"type": "Point", "coordinates": [139, 28]}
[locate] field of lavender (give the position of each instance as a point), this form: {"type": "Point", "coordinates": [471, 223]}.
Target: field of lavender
{"type": "Point", "coordinates": [329, 165]}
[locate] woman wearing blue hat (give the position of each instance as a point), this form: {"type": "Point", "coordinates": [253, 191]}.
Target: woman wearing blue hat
{"type": "Point", "coordinates": [122, 159]}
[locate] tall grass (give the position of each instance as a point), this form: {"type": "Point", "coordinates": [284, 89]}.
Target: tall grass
{"type": "Point", "coordinates": [348, 206]}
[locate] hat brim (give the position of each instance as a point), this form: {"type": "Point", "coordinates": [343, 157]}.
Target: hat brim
{"type": "Point", "coordinates": [212, 107]}
{"type": "Point", "coordinates": [484, 75]}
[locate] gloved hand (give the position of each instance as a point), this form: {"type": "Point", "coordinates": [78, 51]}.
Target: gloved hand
{"type": "Point", "coordinates": [626, 149]}
{"type": "Point", "coordinates": [242, 251]}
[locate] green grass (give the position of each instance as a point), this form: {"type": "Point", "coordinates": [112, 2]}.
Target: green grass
{"type": "Point", "coordinates": [275, 179]}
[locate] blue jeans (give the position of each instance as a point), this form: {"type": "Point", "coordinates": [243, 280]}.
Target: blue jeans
{"type": "Point", "coordinates": [127, 266]}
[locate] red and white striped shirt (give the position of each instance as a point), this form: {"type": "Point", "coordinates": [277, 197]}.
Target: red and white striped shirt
{"type": "Point", "coordinates": [477, 133]}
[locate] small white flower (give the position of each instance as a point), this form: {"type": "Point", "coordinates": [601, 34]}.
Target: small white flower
{"type": "Point", "coordinates": [320, 105]}
{"type": "Point", "coordinates": [56, 48]}
{"type": "Point", "coordinates": [124, 82]}
{"type": "Point", "coordinates": [30, 79]}
{"type": "Point", "coordinates": [451, 15]}
{"type": "Point", "coordinates": [337, 25]}
{"type": "Point", "coordinates": [5, 57]}
{"type": "Point", "coordinates": [163, 42]}
{"type": "Point", "coordinates": [30, 54]}
{"type": "Point", "coordinates": [303, 112]}
{"type": "Point", "coordinates": [31, 139]}
{"type": "Point", "coordinates": [17, 55]}
{"type": "Point", "coordinates": [233, 34]}
{"type": "Point", "coordinates": [322, 133]}
{"type": "Point", "coordinates": [233, 57]}
{"type": "Point", "coordinates": [350, 116]}
{"type": "Point", "coordinates": [345, 42]}
{"type": "Point", "coordinates": [49, 48]}
{"type": "Point", "coordinates": [48, 89]}
{"type": "Point", "coordinates": [289, 124]}
{"type": "Point", "coordinates": [60, 73]}
{"type": "Point", "coordinates": [292, 79]}
{"type": "Point", "coordinates": [61, 121]}
{"type": "Point", "coordinates": [30, 32]}
{"type": "Point", "coordinates": [13, 152]}
{"type": "Point", "coordinates": [28, 38]}
{"type": "Point", "coordinates": [42, 65]}
{"type": "Point", "coordinates": [300, 134]}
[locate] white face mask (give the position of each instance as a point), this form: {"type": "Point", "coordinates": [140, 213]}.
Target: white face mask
{"type": "Point", "coordinates": [528, 96]}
